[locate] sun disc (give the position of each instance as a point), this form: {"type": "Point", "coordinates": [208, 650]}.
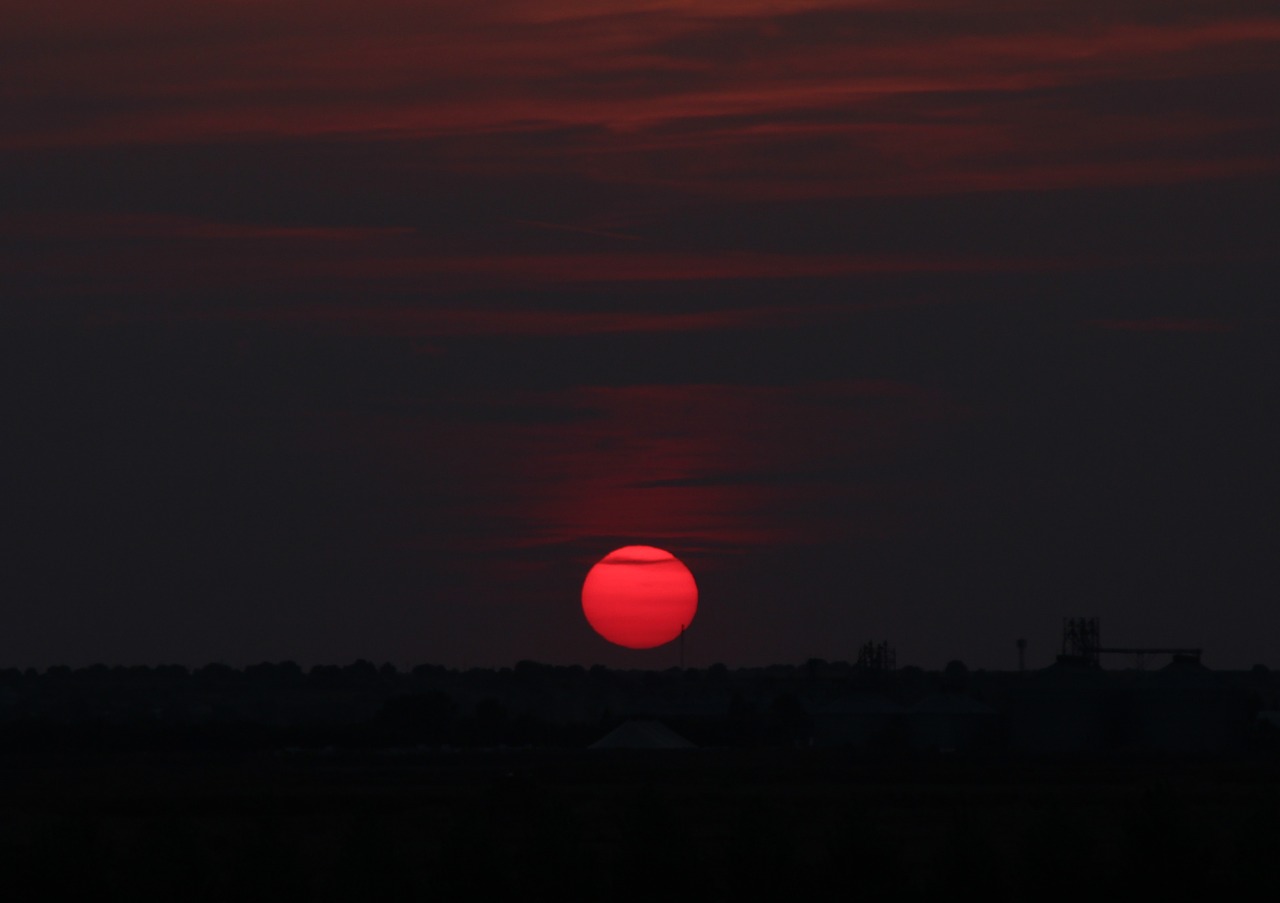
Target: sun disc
{"type": "Point", "coordinates": [639, 597]}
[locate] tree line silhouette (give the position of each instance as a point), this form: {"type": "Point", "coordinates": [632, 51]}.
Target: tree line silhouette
{"type": "Point", "coordinates": [362, 704]}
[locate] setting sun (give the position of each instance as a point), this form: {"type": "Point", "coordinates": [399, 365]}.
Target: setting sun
{"type": "Point", "coordinates": [639, 597]}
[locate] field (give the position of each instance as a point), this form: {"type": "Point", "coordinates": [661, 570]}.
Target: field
{"type": "Point", "coordinates": [701, 824]}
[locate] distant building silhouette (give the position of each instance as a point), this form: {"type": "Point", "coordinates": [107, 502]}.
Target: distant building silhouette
{"type": "Point", "coordinates": [642, 735]}
{"type": "Point", "coordinates": [877, 656]}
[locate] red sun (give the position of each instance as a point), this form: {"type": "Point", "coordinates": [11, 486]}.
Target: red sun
{"type": "Point", "coordinates": [639, 597]}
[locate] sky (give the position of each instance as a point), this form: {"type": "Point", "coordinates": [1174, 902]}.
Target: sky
{"type": "Point", "coordinates": [363, 329]}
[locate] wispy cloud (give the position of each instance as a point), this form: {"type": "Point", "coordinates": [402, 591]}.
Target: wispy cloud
{"type": "Point", "coordinates": [163, 256]}
{"type": "Point", "coordinates": [714, 464]}
{"type": "Point", "coordinates": [859, 97]}
{"type": "Point", "coordinates": [1166, 324]}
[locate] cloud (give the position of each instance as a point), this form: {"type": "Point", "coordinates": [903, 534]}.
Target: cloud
{"type": "Point", "coordinates": [712, 461]}
{"type": "Point", "coordinates": [99, 227]}
{"type": "Point", "coordinates": [160, 257]}
{"type": "Point", "coordinates": [795, 100]}
{"type": "Point", "coordinates": [373, 155]}
{"type": "Point", "coordinates": [1166, 324]}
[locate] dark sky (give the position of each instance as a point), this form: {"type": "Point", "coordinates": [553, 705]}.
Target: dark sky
{"type": "Point", "coordinates": [362, 329]}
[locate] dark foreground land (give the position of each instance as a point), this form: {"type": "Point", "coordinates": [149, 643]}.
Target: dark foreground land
{"type": "Point", "coordinates": [594, 825]}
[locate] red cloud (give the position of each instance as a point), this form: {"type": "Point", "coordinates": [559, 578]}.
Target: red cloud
{"type": "Point", "coordinates": [785, 99]}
